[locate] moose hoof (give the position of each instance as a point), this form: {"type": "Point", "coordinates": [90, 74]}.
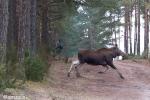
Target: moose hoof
{"type": "Point", "coordinates": [122, 77]}
{"type": "Point", "coordinates": [68, 74]}
{"type": "Point", "coordinates": [100, 72]}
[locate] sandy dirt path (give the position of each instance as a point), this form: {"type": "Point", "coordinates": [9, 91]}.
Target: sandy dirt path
{"type": "Point", "coordinates": [107, 86]}
{"type": "Point", "coordinates": [92, 85]}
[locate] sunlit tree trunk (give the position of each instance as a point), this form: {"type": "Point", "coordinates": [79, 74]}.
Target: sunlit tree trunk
{"type": "Point", "coordinates": [119, 38]}
{"type": "Point", "coordinates": [130, 30]}
{"type": "Point", "coordinates": [126, 29]}
{"type": "Point", "coordinates": [91, 37]}
{"type": "Point", "coordinates": [111, 28]}
{"type": "Point", "coordinates": [115, 30]}
{"type": "Point", "coordinates": [146, 30]}
{"type": "Point", "coordinates": [139, 25]}
{"type": "Point", "coordinates": [149, 34]}
{"type": "Point", "coordinates": [135, 34]}
{"type": "Point", "coordinates": [3, 29]}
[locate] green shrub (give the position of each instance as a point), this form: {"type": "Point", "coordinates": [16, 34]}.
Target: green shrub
{"type": "Point", "coordinates": [2, 76]}
{"type": "Point", "coordinates": [35, 69]}
{"type": "Point", "coordinates": [4, 81]}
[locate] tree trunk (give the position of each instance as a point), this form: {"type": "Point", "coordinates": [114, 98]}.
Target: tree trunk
{"type": "Point", "coordinates": [119, 37]}
{"type": "Point", "coordinates": [23, 14]}
{"type": "Point", "coordinates": [33, 28]}
{"type": "Point", "coordinates": [126, 30]}
{"type": "Point", "coordinates": [3, 29]}
{"type": "Point", "coordinates": [130, 30]}
{"type": "Point", "coordinates": [12, 29]}
{"type": "Point", "coordinates": [135, 34]}
{"type": "Point", "coordinates": [146, 30]}
{"type": "Point", "coordinates": [148, 25]}
{"type": "Point", "coordinates": [91, 38]}
{"type": "Point", "coordinates": [21, 33]}
{"type": "Point", "coordinates": [26, 25]}
{"type": "Point", "coordinates": [139, 25]}
{"type": "Point", "coordinates": [44, 34]}
{"type": "Point", "coordinates": [115, 32]}
{"type": "Point", "coordinates": [39, 25]}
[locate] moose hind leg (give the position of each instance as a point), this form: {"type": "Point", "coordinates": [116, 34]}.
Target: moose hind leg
{"type": "Point", "coordinates": [74, 63]}
{"type": "Point", "coordinates": [70, 70]}
{"type": "Point", "coordinates": [113, 66]}
{"type": "Point", "coordinates": [77, 71]}
{"type": "Point", "coordinates": [100, 72]}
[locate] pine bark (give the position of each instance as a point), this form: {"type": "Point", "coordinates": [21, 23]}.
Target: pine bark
{"type": "Point", "coordinates": [44, 34]}
{"type": "Point", "coordinates": [130, 30]}
{"type": "Point", "coordinates": [149, 32]}
{"type": "Point", "coordinates": [3, 29]}
{"type": "Point", "coordinates": [11, 36]}
{"type": "Point", "coordinates": [21, 33]}
{"type": "Point", "coordinates": [139, 25]}
{"type": "Point", "coordinates": [126, 29]}
{"type": "Point", "coordinates": [26, 24]}
{"type": "Point", "coordinates": [146, 30]}
{"type": "Point", "coordinates": [135, 34]}
{"type": "Point", "coordinates": [33, 28]}
{"type": "Point", "coordinates": [23, 25]}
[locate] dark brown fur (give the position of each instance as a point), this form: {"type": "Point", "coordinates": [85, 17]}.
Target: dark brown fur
{"type": "Point", "coordinates": [103, 56]}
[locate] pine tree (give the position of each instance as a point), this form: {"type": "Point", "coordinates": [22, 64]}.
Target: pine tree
{"type": "Point", "coordinates": [146, 29]}
{"type": "Point", "coordinates": [45, 34]}
{"type": "Point", "coordinates": [135, 33]}
{"type": "Point", "coordinates": [33, 26]}
{"type": "Point", "coordinates": [3, 29]}
{"type": "Point", "coordinates": [139, 25]}
{"type": "Point", "coordinates": [126, 32]}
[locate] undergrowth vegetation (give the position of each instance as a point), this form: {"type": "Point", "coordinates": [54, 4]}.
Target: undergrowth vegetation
{"type": "Point", "coordinates": [2, 76]}
{"type": "Point", "coordinates": [4, 80]}
{"type": "Point", "coordinates": [132, 56]}
{"type": "Point", "coordinates": [35, 69]}
{"type": "Point", "coordinates": [13, 74]}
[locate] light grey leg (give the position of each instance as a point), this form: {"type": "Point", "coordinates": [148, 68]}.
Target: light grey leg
{"type": "Point", "coordinates": [74, 64]}
{"type": "Point", "coordinates": [77, 71]}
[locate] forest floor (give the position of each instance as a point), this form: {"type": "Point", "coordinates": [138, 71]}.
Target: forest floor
{"type": "Point", "coordinates": [92, 85]}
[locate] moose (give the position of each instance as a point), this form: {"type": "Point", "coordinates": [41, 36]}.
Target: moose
{"type": "Point", "coordinates": [103, 56]}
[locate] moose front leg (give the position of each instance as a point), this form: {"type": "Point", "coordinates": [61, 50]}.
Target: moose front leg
{"type": "Point", "coordinates": [113, 66]}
